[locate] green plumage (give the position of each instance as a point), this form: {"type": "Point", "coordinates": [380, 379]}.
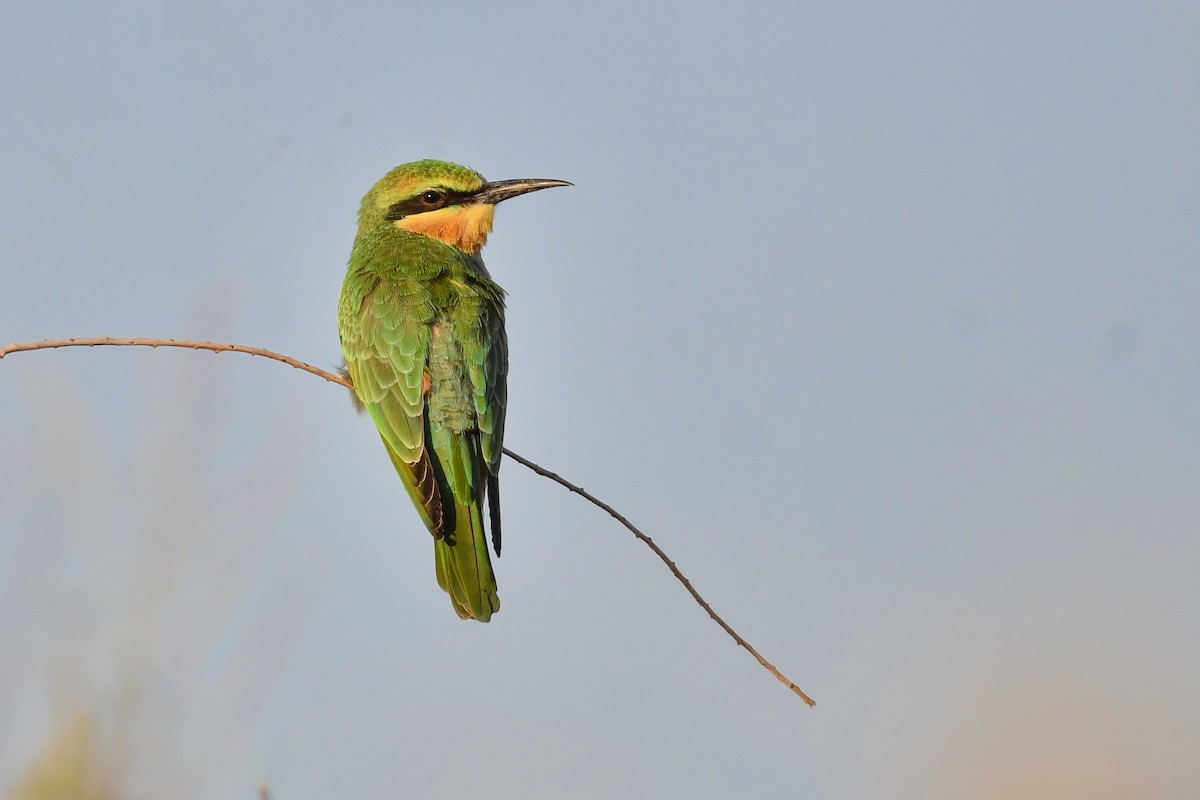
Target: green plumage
{"type": "Point", "coordinates": [422, 330]}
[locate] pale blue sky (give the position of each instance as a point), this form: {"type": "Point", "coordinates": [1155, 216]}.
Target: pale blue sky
{"type": "Point", "coordinates": [882, 320]}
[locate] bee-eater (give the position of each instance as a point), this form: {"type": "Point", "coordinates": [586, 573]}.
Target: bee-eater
{"type": "Point", "coordinates": [422, 329]}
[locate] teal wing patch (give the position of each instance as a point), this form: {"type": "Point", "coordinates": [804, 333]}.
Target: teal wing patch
{"type": "Point", "coordinates": [486, 354]}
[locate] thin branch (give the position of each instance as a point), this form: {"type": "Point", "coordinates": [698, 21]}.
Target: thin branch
{"type": "Point", "coordinates": [345, 381]}
{"type": "Point", "coordinates": [215, 347]}
{"type": "Point", "coordinates": [619, 517]}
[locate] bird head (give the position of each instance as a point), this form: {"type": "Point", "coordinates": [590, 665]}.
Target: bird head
{"type": "Point", "coordinates": [448, 202]}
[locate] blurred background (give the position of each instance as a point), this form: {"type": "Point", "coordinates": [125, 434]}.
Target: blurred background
{"type": "Point", "coordinates": [882, 320]}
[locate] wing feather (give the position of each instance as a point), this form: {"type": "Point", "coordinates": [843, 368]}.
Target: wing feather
{"type": "Point", "coordinates": [385, 339]}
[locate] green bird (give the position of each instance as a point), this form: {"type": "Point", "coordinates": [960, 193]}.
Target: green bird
{"type": "Point", "coordinates": [422, 329]}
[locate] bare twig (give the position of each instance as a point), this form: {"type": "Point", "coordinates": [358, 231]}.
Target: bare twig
{"type": "Point", "coordinates": [619, 517]}
{"type": "Point", "coordinates": [215, 347]}
{"type": "Point", "coordinates": [345, 381]}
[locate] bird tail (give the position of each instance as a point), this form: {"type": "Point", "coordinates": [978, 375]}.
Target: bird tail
{"type": "Point", "coordinates": [464, 567]}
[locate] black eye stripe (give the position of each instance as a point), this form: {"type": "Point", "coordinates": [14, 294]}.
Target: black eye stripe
{"type": "Point", "coordinates": [425, 200]}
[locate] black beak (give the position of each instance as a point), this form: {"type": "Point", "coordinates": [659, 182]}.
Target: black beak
{"type": "Point", "coordinates": [495, 191]}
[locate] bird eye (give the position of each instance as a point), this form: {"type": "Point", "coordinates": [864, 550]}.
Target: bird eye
{"type": "Point", "coordinates": [431, 197]}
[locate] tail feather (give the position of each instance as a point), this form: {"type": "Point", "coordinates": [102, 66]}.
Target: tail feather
{"type": "Point", "coordinates": [464, 569]}
{"type": "Point", "coordinates": [493, 498]}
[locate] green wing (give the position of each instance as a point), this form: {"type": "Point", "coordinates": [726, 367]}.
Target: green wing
{"type": "Point", "coordinates": [485, 350]}
{"type": "Point", "coordinates": [384, 328]}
